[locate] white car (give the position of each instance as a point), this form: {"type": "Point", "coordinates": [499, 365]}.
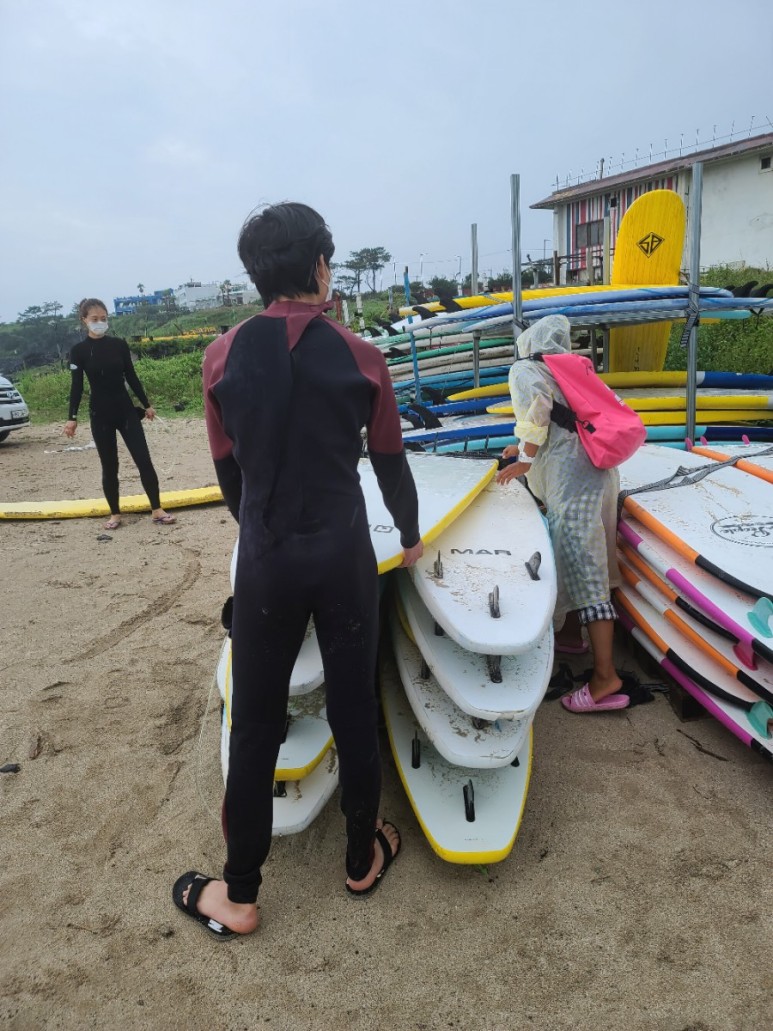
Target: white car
{"type": "Point", "coordinates": [14, 413]}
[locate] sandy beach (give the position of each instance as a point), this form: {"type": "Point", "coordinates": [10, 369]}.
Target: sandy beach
{"type": "Point", "coordinates": [637, 896]}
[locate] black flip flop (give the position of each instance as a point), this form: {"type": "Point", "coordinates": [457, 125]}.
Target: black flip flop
{"type": "Point", "coordinates": [197, 882]}
{"type": "Point", "coordinates": [389, 857]}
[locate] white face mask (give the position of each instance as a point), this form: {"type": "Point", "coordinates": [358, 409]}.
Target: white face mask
{"type": "Point", "coordinates": [98, 329]}
{"type": "Point", "coordinates": [329, 295]}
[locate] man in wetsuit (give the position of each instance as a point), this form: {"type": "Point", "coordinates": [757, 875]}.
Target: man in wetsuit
{"type": "Point", "coordinates": [287, 394]}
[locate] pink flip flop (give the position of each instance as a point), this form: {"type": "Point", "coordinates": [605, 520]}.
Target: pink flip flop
{"type": "Point", "coordinates": [571, 649]}
{"type": "Point", "coordinates": [165, 520]}
{"type": "Point", "coordinates": [581, 701]}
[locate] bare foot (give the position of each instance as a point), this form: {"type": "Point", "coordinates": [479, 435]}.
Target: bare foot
{"type": "Point", "coordinates": [392, 835]}
{"type": "Point", "coordinates": [213, 902]}
{"type": "Point", "coordinates": [113, 522]}
{"type": "Point", "coordinates": [160, 516]}
{"type": "Point", "coordinates": [602, 687]}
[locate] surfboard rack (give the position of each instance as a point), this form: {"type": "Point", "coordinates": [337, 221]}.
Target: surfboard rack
{"type": "Point", "coordinates": [532, 566]}
{"type": "Point", "coordinates": [280, 789]}
{"type": "Point", "coordinates": [493, 603]}
{"type": "Point", "coordinates": [469, 802]}
{"type": "Point", "coordinates": [416, 751]}
{"type": "Point", "coordinates": [437, 569]}
{"type": "Point", "coordinates": [494, 666]}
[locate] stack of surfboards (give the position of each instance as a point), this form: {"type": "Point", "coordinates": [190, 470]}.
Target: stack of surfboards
{"type": "Point", "coordinates": [471, 628]}
{"type": "Point", "coordinates": [307, 770]}
{"type": "Point", "coordinates": [696, 558]}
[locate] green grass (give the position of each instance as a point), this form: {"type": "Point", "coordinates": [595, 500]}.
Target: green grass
{"type": "Point", "coordinates": [167, 382]}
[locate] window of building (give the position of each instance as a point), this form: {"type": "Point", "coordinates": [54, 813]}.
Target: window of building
{"type": "Point", "coordinates": [765, 163]}
{"type": "Point", "coordinates": [590, 234]}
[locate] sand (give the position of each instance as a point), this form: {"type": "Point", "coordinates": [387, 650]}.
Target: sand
{"type": "Point", "coordinates": [638, 894]}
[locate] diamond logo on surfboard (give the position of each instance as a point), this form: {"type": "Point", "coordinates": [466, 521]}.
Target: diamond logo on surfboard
{"type": "Point", "coordinates": [756, 531]}
{"type": "Point", "coordinates": [650, 243]}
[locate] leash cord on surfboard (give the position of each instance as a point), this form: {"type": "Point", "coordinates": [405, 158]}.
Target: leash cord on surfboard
{"type": "Point", "coordinates": [685, 477]}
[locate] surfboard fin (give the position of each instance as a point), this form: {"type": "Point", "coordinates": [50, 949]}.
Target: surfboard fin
{"type": "Point", "coordinates": [532, 566]}
{"type": "Point", "coordinates": [469, 802]}
{"type": "Point", "coordinates": [761, 718]}
{"type": "Point", "coordinates": [493, 603]}
{"type": "Point", "coordinates": [494, 665]}
{"type": "Point", "coordinates": [760, 616]}
{"type": "Point", "coordinates": [438, 567]}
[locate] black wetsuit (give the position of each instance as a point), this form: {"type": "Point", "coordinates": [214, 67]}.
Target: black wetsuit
{"type": "Point", "coordinates": [286, 396]}
{"type": "Point", "coordinates": [108, 367]}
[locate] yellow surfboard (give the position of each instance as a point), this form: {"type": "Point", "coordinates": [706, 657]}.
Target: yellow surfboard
{"type": "Point", "coordinates": [505, 296]}
{"type": "Point", "coordinates": [99, 507]}
{"type": "Point", "coordinates": [649, 249]}
{"type": "Point", "coordinates": [676, 418]}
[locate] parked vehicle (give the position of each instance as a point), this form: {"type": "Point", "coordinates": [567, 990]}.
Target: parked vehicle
{"type": "Point", "coordinates": [14, 413]}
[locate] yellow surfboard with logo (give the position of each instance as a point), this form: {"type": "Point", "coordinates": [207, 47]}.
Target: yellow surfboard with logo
{"type": "Point", "coordinates": [648, 249]}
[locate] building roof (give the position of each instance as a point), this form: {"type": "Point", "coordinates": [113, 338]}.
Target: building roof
{"type": "Point", "coordinates": [656, 171]}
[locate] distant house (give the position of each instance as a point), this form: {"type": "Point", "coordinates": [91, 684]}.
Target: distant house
{"type": "Point", "coordinates": [129, 305]}
{"type": "Point", "coordinates": [737, 217]}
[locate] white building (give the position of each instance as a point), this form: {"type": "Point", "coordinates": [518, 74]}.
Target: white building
{"type": "Point", "coordinates": [197, 296]}
{"type": "Point", "coordinates": [194, 295]}
{"type": "Point", "coordinates": [737, 218]}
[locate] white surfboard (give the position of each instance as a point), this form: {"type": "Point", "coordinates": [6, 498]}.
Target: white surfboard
{"type": "Point", "coordinates": [724, 522]}
{"type": "Point", "coordinates": [703, 590]}
{"type": "Point", "coordinates": [461, 739]}
{"type": "Point", "coordinates": [716, 649]}
{"type": "Point", "coordinates": [511, 688]}
{"type": "Point", "coordinates": [307, 674]}
{"type": "Point", "coordinates": [307, 739]}
{"type": "Point", "coordinates": [700, 665]}
{"type": "Point", "coordinates": [485, 423]}
{"type": "Point", "coordinates": [445, 486]}
{"type": "Point", "coordinates": [468, 816]}
{"type": "Point", "coordinates": [483, 555]}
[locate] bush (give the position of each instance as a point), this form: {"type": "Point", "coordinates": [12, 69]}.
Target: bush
{"type": "Point", "coordinates": [170, 382]}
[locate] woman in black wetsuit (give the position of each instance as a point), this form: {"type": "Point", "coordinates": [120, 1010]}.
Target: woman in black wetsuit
{"type": "Point", "coordinates": [108, 366]}
{"type": "Point", "coordinates": [287, 394]}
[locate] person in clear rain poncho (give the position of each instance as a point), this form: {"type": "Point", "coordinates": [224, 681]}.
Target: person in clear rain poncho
{"type": "Point", "coordinates": [581, 504]}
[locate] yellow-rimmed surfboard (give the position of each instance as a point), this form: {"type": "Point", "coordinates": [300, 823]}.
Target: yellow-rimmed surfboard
{"type": "Point", "coordinates": [649, 247]}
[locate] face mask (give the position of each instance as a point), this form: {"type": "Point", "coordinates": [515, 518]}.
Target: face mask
{"type": "Point", "coordinates": [97, 328]}
{"type": "Point", "coordinates": [329, 295]}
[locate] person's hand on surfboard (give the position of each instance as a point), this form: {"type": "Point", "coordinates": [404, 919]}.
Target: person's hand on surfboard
{"type": "Point", "coordinates": [412, 555]}
{"type": "Point", "coordinates": [513, 471]}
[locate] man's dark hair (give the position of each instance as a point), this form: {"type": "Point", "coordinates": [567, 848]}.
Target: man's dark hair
{"type": "Point", "coordinates": [279, 247]}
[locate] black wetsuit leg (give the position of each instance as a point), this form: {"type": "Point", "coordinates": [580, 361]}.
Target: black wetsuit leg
{"type": "Point", "coordinates": [331, 572]}
{"type": "Point", "coordinates": [104, 427]}
{"type": "Point", "coordinates": [106, 441]}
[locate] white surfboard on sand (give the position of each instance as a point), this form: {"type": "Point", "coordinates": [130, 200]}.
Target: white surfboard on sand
{"type": "Point", "coordinates": [461, 739]}
{"type": "Point", "coordinates": [296, 802]}
{"type": "Point", "coordinates": [723, 523]}
{"type": "Point", "coordinates": [496, 558]}
{"type": "Point", "coordinates": [510, 687]}
{"type": "Point", "coordinates": [468, 816]}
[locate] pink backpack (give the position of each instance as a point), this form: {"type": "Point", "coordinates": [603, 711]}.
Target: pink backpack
{"type": "Point", "coordinates": [608, 429]}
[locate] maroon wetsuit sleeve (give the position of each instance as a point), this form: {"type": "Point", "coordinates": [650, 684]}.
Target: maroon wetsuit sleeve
{"type": "Point", "coordinates": [385, 447]}
{"type": "Point", "coordinates": [229, 474]}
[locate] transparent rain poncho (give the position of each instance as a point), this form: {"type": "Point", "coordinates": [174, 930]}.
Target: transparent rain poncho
{"type": "Point", "coordinates": [581, 500]}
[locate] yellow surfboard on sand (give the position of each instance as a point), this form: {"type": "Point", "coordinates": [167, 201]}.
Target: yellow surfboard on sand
{"type": "Point", "coordinates": [648, 249]}
{"type": "Point", "coordinates": [91, 507]}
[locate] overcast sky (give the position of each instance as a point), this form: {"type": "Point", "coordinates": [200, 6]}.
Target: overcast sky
{"type": "Point", "coordinates": [137, 136]}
